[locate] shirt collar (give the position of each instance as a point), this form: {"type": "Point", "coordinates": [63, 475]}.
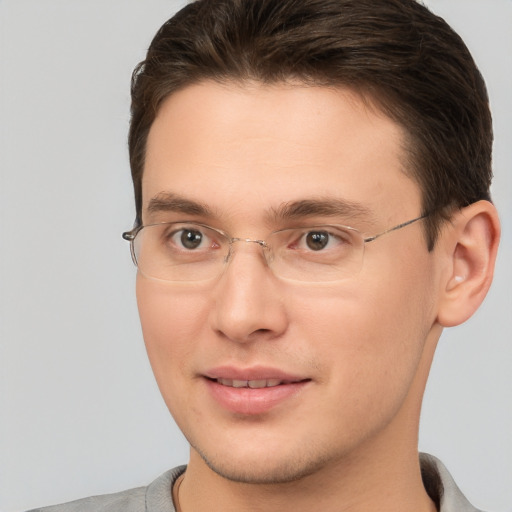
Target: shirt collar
{"type": "Point", "coordinates": [437, 480]}
{"type": "Point", "coordinates": [446, 493]}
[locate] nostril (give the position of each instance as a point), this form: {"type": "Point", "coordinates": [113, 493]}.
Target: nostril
{"type": "Point", "coordinates": [261, 331]}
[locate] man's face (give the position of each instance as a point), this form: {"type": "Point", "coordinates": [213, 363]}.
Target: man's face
{"type": "Point", "coordinates": [351, 356]}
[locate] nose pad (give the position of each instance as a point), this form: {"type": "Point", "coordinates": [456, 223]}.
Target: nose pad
{"type": "Point", "coordinates": [265, 249]}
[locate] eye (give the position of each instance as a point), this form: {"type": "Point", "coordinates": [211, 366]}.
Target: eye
{"type": "Point", "coordinates": [320, 240]}
{"type": "Point", "coordinates": [317, 240]}
{"type": "Point", "coordinates": [190, 238]}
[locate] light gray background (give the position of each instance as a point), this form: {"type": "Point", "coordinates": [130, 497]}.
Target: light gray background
{"type": "Point", "coordinates": [79, 411]}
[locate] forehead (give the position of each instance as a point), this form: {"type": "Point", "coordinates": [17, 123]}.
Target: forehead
{"type": "Point", "coordinates": [249, 147]}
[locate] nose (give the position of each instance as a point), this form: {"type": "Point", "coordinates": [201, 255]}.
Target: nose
{"type": "Point", "coordinates": [248, 300]}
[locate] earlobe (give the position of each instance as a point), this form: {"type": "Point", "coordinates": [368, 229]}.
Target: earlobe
{"type": "Point", "coordinates": [470, 244]}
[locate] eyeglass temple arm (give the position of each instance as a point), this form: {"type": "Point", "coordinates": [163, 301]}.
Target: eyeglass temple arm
{"type": "Point", "coordinates": [129, 235]}
{"type": "Point", "coordinates": [394, 228]}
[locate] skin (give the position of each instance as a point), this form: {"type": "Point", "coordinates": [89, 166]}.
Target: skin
{"type": "Point", "coordinates": [348, 439]}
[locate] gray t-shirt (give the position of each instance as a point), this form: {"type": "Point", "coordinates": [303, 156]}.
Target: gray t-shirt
{"type": "Point", "coordinates": [157, 496]}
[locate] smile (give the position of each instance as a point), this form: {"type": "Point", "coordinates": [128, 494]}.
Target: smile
{"type": "Point", "coordinates": [254, 391]}
{"type": "Point", "coordinates": [253, 384]}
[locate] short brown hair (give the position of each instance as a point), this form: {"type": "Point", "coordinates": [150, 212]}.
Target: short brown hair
{"type": "Point", "coordinates": [396, 53]}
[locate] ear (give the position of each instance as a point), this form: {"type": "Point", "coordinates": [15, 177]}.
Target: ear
{"type": "Point", "coordinates": [470, 243]}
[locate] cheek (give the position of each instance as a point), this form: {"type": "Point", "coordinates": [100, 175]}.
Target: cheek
{"type": "Point", "coordinates": [369, 336]}
{"type": "Point", "coordinates": [172, 321]}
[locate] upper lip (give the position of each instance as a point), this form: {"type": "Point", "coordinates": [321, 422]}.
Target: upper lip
{"type": "Point", "coordinates": [252, 373]}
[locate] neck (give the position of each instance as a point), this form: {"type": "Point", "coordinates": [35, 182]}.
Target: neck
{"type": "Point", "coordinates": [360, 483]}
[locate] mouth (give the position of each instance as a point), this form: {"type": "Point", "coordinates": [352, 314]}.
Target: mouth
{"type": "Point", "coordinates": [253, 384]}
{"type": "Point", "coordinates": [255, 391]}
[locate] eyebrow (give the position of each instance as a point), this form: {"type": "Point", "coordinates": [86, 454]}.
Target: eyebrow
{"type": "Point", "coordinates": [321, 207]}
{"type": "Point", "coordinates": [170, 202]}
{"type": "Point", "coordinates": [293, 210]}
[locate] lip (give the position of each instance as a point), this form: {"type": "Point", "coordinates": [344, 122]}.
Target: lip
{"type": "Point", "coordinates": [250, 401]}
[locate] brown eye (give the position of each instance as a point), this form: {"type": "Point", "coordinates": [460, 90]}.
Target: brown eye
{"type": "Point", "coordinates": [191, 238]}
{"type": "Point", "coordinates": [317, 240]}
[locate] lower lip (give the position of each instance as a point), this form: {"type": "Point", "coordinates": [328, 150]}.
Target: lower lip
{"type": "Point", "coordinates": [250, 401]}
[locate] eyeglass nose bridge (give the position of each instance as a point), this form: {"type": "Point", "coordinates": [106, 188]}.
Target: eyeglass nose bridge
{"type": "Point", "coordinates": [262, 243]}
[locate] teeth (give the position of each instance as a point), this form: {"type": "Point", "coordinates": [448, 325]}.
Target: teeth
{"type": "Point", "coordinates": [253, 384]}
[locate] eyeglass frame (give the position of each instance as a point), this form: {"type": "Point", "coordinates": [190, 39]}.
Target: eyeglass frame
{"type": "Point", "coordinates": [131, 235]}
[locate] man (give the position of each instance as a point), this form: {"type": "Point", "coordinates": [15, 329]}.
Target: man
{"type": "Point", "coordinates": [312, 189]}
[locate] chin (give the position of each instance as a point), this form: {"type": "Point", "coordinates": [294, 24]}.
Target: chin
{"type": "Point", "coordinates": [264, 468]}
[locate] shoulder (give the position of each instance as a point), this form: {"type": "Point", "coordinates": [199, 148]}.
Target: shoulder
{"type": "Point", "coordinates": [129, 501]}
{"type": "Point", "coordinates": [156, 497]}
